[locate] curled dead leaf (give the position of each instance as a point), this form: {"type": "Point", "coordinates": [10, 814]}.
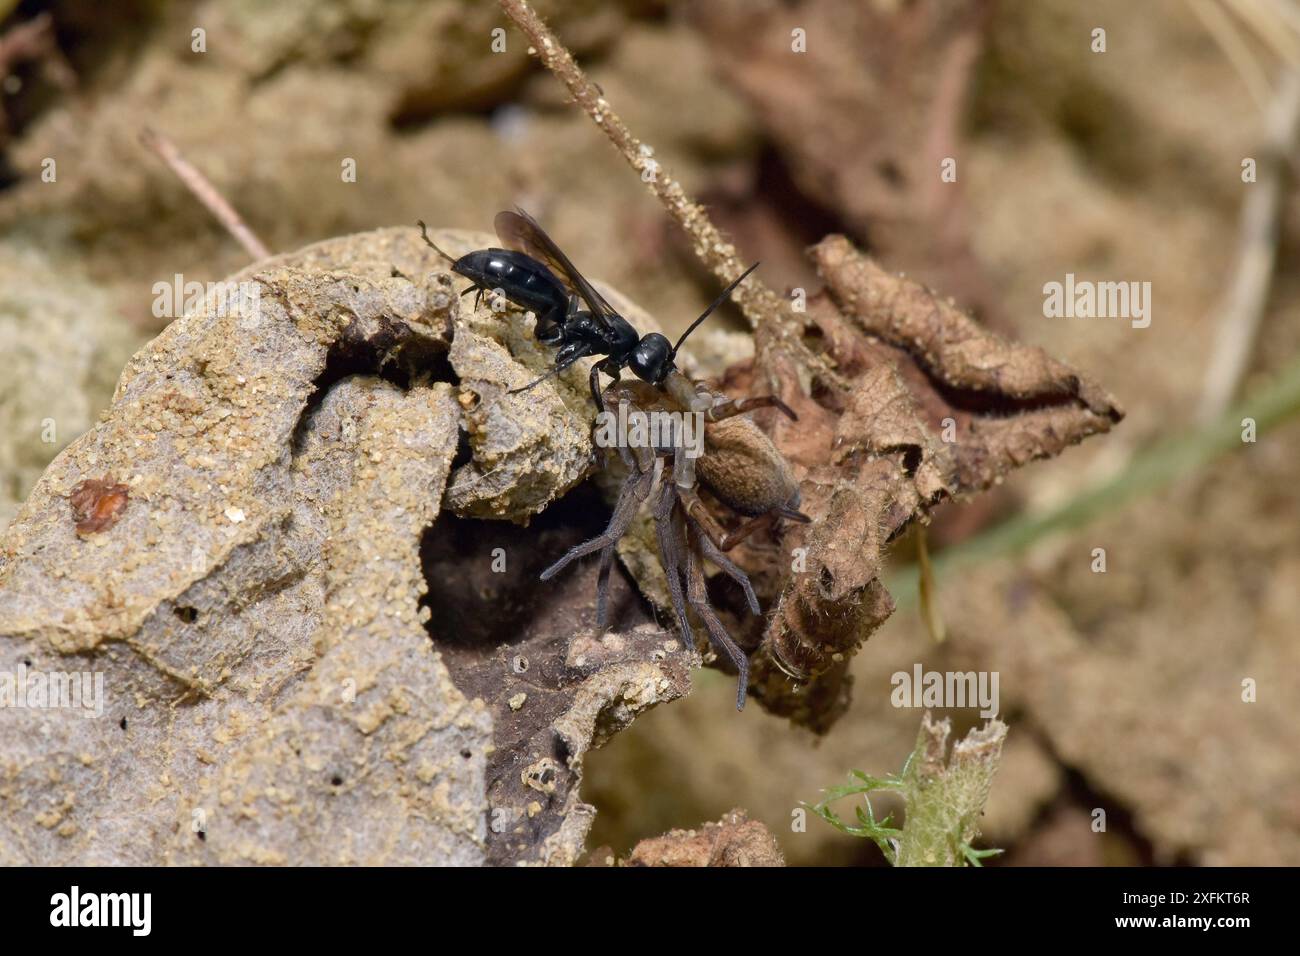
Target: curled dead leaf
{"type": "Point", "coordinates": [927, 404]}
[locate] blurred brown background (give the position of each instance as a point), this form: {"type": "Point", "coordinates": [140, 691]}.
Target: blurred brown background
{"type": "Point", "coordinates": [1124, 689]}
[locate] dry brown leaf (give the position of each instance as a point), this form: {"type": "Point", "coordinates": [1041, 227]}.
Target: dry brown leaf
{"type": "Point", "coordinates": [935, 406]}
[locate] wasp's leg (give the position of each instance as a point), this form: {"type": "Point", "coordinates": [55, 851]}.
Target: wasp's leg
{"type": "Point", "coordinates": [594, 381]}
{"type": "Point", "coordinates": [567, 356]}
{"type": "Point", "coordinates": [699, 600]}
{"type": "Point", "coordinates": [609, 369]}
{"type": "Point", "coordinates": [634, 491]}
{"type": "Point", "coordinates": [547, 328]}
{"type": "Point", "coordinates": [729, 567]}
{"type": "Point", "coordinates": [728, 407]}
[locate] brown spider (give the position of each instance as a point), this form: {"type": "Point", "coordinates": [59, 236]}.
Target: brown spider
{"type": "Point", "coordinates": [742, 469]}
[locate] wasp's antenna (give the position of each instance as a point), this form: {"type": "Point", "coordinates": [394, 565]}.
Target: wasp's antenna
{"type": "Point", "coordinates": [424, 234]}
{"type": "Point", "coordinates": [716, 302]}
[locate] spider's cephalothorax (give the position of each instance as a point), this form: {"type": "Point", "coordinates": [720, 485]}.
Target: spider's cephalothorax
{"type": "Point", "coordinates": [740, 467]}
{"type": "Point", "coordinates": [535, 274]}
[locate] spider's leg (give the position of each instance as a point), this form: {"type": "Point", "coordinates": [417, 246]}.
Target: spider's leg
{"type": "Point", "coordinates": [607, 554]}
{"type": "Point", "coordinates": [601, 431]}
{"type": "Point", "coordinates": [725, 540]}
{"type": "Point", "coordinates": [729, 567]}
{"type": "Point", "coordinates": [628, 461]}
{"type": "Point", "coordinates": [699, 599]}
{"type": "Point", "coordinates": [630, 496]}
{"type": "Point", "coordinates": [670, 556]}
{"type": "Point", "coordinates": [728, 407]}
{"type": "Point", "coordinates": [602, 587]}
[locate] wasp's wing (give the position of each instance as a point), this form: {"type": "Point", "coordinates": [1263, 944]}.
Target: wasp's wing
{"type": "Point", "coordinates": [520, 231]}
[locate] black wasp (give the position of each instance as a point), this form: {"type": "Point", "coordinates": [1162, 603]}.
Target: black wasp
{"type": "Point", "coordinates": [536, 275]}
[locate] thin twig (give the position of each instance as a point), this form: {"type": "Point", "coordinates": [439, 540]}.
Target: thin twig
{"type": "Point", "coordinates": [762, 307]}
{"type": "Point", "coordinates": [1228, 35]}
{"type": "Point", "coordinates": [1146, 473]}
{"type": "Point", "coordinates": [1242, 309]}
{"type": "Point", "coordinates": [757, 301]}
{"type": "Point", "coordinates": [205, 192]}
{"type": "Point", "coordinates": [1271, 29]}
{"type": "Point", "coordinates": [1287, 12]}
{"type": "Point", "coordinates": [926, 590]}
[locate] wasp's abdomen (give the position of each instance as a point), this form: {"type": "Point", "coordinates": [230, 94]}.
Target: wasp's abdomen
{"type": "Point", "coordinates": [523, 280]}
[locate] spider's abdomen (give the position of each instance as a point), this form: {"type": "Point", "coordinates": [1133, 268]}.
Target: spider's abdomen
{"type": "Point", "coordinates": [743, 469]}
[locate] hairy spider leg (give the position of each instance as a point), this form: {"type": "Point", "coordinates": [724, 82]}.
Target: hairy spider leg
{"type": "Point", "coordinates": [645, 470]}
{"type": "Point", "coordinates": [723, 539]}
{"type": "Point", "coordinates": [671, 543]}
{"type": "Point", "coordinates": [635, 488]}
{"type": "Point", "coordinates": [728, 567]}
{"type": "Point", "coordinates": [698, 597]}
{"type": "Point", "coordinates": [728, 407]}
{"type": "Point", "coordinates": [602, 588]}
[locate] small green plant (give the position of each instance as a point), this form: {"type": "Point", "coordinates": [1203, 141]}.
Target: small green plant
{"type": "Point", "coordinates": [943, 798]}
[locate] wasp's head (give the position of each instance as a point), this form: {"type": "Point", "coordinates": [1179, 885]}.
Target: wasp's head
{"type": "Point", "coordinates": [652, 359]}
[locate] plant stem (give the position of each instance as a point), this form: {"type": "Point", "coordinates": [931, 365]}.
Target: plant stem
{"type": "Point", "coordinates": [1146, 472]}
{"type": "Point", "coordinates": [205, 192]}
{"type": "Point", "coordinates": [763, 308]}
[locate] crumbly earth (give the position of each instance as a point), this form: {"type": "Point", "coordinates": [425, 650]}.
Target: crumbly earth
{"type": "Point", "coordinates": [265, 680]}
{"type": "Point", "coordinates": [1070, 161]}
